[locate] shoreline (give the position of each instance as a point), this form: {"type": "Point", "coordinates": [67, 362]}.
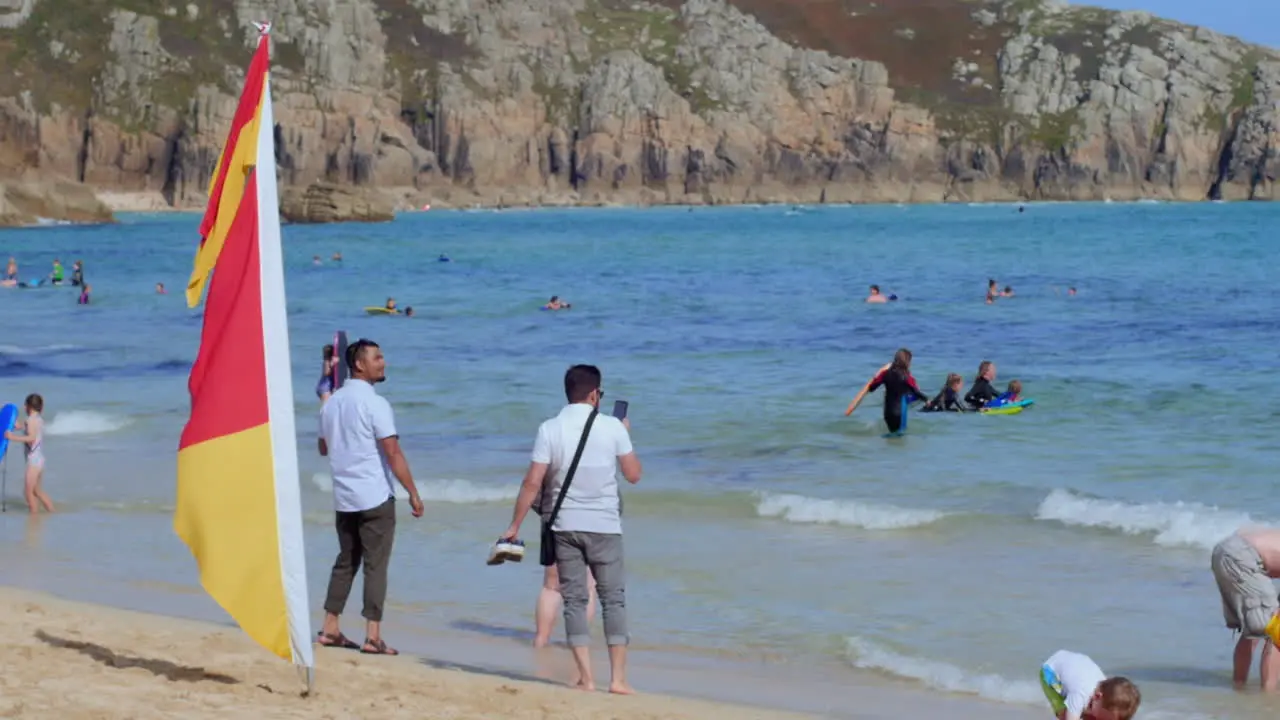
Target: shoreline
{"type": "Point", "coordinates": [77, 659]}
{"type": "Point", "coordinates": [409, 200]}
{"type": "Point", "coordinates": [105, 648]}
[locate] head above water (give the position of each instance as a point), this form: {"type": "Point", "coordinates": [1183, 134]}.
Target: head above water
{"type": "Point", "coordinates": [901, 361]}
{"type": "Point", "coordinates": [986, 371]}
{"type": "Point", "coordinates": [365, 360]}
{"type": "Point", "coordinates": [33, 404]}
{"type": "Point", "coordinates": [582, 385]}
{"type": "Point", "coordinates": [954, 381]}
{"type": "Point", "coordinates": [1015, 387]}
{"type": "Point", "coordinates": [875, 289]}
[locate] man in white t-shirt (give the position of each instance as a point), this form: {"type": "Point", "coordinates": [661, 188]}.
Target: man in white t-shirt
{"type": "Point", "coordinates": [358, 435]}
{"type": "Point", "coordinates": [588, 528]}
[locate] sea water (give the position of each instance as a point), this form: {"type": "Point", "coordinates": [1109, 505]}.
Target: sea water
{"type": "Point", "coordinates": [767, 525]}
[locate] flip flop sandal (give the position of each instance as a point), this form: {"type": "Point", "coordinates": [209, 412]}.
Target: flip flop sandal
{"type": "Point", "coordinates": [379, 648]}
{"type": "Point", "coordinates": [336, 641]}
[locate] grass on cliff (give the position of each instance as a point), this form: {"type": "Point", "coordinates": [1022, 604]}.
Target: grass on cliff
{"type": "Point", "coordinates": [60, 54]}
{"type": "Point", "coordinates": [653, 32]}
{"type": "Point", "coordinates": [415, 52]}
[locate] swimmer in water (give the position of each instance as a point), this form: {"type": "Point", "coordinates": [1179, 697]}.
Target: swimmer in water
{"type": "Point", "coordinates": [84, 295]}
{"type": "Point", "coordinates": [408, 312]}
{"type": "Point", "coordinates": [982, 392]}
{"type": "Point", "coordinates": [32, 439]}
{"type": "Point", "coordinates": [900, 390]}
{"type": "Point", "coordinates": [337, 257]}
{"type": "Point", "coordinates": [443, 258]}
{"type": "Point", "coordinates": [391, 305]}
{"type": "Point", "coordinates": [1071, 292]}
{"type": "Point", "coordinates": [160, 289]}
{"type": "Point", "coordinates": [315, 259]}
{"type": "Point", "coordinates": [11, 270]}
{"type": "Point", "coordinates": [949, 399]}
{"type": "Point", "coordinates": [992, 294]}
{"type": "Point", "coordinates": [875, 296]}
{"type": "Point", "coordinates": [77, 274]}
{"type": "Point", "coordinates": [555, 303]}
{"type": "Point", "coordinates": [56, 276]}
{"type": "Point", "coordinates": [1007, 292]}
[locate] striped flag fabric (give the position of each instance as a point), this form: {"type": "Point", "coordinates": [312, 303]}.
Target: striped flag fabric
{"type": "Point", "coordinates": [238, 503]}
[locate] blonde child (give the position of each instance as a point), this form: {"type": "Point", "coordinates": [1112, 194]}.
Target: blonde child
{"type": "Point", "coordinates": [32, 439]}
{"type": "Point", "coordinates": [1077, 689]}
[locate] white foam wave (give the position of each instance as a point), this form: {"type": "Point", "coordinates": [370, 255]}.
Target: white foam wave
{"type": "Point", "coordinates": [19, 350]}
{"type": "Point", "coordinates": [461, 492]}
{"type": "Point", "coordinates": [942, 676]}
{"type": "Point", "coordinates": [801, 509]}
{"type": "Point", "coordinates": [84, 422]}
{"type": "Point", "coordinates": [1170, 524]}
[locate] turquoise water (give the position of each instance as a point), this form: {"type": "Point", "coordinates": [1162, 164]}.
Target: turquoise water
{"type": "Point", "coordinates": [767, 524]}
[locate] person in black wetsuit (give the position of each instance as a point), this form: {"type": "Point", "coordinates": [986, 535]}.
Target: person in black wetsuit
{"type": "Point", "coordinates": [983, 391]}
{"type": "Point", "coordinates": [949, 399]}
{"type": "Point", "coordinates": [900, 389]}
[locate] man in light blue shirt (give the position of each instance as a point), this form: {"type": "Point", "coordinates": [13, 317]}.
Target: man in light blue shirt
{"type": "Point", "coordinates": [358, 435]}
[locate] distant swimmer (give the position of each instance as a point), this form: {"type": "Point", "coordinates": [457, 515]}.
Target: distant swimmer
{"type": "Point", "coordinates": [56, 276]}
{"type": "Point", "coordinates": [900, 390]}
{"type": "Point", "coordinates": [1071, 291]}
{"type": "Point", "coordinates": [875, 296]}
{"type": "Point", "coordinates": [1007, 292]}
{"type": "Point", "coordinates": [1244, 565]}
{"type": "Point", "coordinates": [443, 258]}
{"type": "Point", "coordinates": [160, 289]}
{"type": "Point", "coordinates": [992, 293]}
{"type": "Point", "coordinates": [982, 391]}
{"type": "Point", "coordinates": [337, 257]}
{"type": "Point", "coordinates": [11, 270]}
{"type": "Point", "coordinates": [555, 303]}
{"type": "Point", "coordinates": [391, 305]}
{"type": "Point", "coordinates": [77, 274]}
{"type": "Point", "coordinates": [84, 295]}
{"type": "Point", "coordinates": [408, 312]}
{"type": "Point", "coordinates": [315, 260]}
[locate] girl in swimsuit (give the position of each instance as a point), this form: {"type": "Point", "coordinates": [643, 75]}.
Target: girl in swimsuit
{"type": "Point", "coordinates": [900, 390]}
{"type": "Point", "coordinates": [32, 440]}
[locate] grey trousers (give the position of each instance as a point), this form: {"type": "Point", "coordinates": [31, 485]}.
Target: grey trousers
{"type": "Point", "coordinates": [602, 554]}
{"type": "Point", "coordinates": [364, 538]}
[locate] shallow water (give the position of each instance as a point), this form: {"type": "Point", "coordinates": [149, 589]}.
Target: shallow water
{"type": "Point", "coordinates": [767, 525]}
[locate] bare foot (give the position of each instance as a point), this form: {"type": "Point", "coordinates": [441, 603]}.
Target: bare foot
{"type": "Point", "coordinates": [541, 642]}
{"type": "Point", "coordinates": [621, 688]}
{"type": "Point", "coordinates": [584, 684]}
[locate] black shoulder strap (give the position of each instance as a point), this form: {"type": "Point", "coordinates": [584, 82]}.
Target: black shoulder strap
{"type": "Point", "coordinates": [573, 467]}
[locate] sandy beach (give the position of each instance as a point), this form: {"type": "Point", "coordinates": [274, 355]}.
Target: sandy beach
{"type": "Point", "coordinates": [74, 660]}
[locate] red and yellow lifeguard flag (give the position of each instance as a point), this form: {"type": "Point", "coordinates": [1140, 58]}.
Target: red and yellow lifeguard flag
{"type": "Point", "coordinates": [238, 505]}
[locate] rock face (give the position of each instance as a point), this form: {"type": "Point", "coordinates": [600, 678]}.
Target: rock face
{"type": "Point", "coordinates": [28, 203]}
{"type": "Point", "coordinates": [600, 101]}
{"type": "Point", "coordinates": [327, 202]}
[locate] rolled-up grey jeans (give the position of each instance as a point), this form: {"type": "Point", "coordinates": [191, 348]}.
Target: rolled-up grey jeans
{"type": "Point", "coordinates": [576, 552]}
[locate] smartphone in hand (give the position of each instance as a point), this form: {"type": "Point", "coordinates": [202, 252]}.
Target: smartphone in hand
{"type": "Point", "coordinates": [620, 409]}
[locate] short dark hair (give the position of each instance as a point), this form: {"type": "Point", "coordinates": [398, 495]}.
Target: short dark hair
{"type": "Point", "coordinates": [580, 381]}
{"type": "Point", "coordinates": [35, 402]}
{"type": "Point", "coordinates": [355, 350]}
{"type": "Point", "coordinates": [876, 288]}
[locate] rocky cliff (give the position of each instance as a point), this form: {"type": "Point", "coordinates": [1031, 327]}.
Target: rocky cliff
{"type": "Point", "coordinates": [587, 101]}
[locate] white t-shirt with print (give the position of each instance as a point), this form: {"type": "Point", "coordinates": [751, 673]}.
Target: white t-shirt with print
{"type": "Point", "coordinates": [1079, 676]}
{"type": "Point", "coordinates": [591, 505]}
